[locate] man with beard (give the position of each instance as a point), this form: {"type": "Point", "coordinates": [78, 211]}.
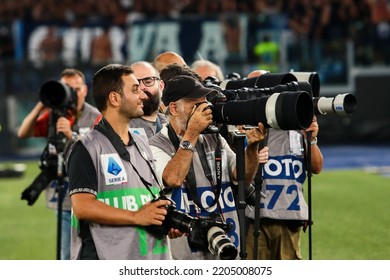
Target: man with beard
{"type": "Point", "coordinates": [151, 84]}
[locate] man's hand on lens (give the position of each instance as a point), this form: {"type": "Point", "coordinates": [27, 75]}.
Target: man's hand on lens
{"type": "Point", "coordinates": [256, 135]}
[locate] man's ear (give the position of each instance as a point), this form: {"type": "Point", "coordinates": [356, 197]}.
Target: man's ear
{"type": "Point", "coordinates": [114, 98]}
{"type": "Point", "coordinates": [173, 109]}
{"type": "Point", "coordinates": [161, 85]}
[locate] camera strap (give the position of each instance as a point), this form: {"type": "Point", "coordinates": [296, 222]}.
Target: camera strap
{"type": "Point", "coordinates": [190, 178]}
{"type": "Point", "coordinates": [77, 116]}
{"type": "Point", "coordinates": [158, 124]}
{"type": "Point", "coordinates": [105, 128]}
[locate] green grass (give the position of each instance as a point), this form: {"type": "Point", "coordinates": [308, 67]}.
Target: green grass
{"type": "Point", "coordinates": [349, 208]}
{"type": "Point", "coordinates": [26, 232]}
{"type": "Point", "coordinates": [350, 214]}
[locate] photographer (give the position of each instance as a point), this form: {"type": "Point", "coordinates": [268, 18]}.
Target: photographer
{"type": "Point", "coordinates": [75, 122]}
{"type": "Point", "coordinates": [112, 189]}
{"type": "Point", "coordinates": [186, 161]}
{"type": "Point", "coordinates": [284, 212]}
{"type": "Point", "coordinates": [150, 83]}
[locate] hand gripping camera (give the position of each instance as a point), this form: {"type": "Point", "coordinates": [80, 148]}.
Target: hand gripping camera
{"type": "Point", "coordinates": [204, 233]}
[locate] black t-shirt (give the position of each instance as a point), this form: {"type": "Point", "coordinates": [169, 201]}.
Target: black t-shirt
{"type": "Point", "coordinates": [81, 171]}
{"type": "Point", "coordinates": [83, 178]}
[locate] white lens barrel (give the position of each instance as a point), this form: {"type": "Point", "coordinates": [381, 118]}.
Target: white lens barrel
{"type": "Point", "coordinates": [270, 112]}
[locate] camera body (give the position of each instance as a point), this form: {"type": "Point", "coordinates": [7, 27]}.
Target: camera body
{"type": "Point", "coordinates": [204, 233]}
{"type": "Point", "coordinates": [211, 128]}
{"type": "Point", "coordinates": [173, 219]}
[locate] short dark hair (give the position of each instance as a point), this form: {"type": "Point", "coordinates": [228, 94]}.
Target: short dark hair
{"type": "Point", "coordinates": [107, 79]}
{"type": "Point", "coordinates": [70, 72]}
{"type": "Point", "coordinates": [174, 70]}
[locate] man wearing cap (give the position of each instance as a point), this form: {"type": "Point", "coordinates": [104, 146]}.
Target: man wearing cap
{"type": "Point", "coordinates": [196, 169]}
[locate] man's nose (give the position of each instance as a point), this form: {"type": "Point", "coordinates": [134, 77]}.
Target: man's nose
{"type": "Point", "coordinates": [142, 95]}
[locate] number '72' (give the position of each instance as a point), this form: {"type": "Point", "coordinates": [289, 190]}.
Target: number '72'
{"type": "Point", "coordinates": [276, 191]}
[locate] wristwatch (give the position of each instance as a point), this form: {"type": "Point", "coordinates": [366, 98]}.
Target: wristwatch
{"type": "Point", "coordinates": [75, 136]}
{"type": "Point", "coordinates": [186, 145]}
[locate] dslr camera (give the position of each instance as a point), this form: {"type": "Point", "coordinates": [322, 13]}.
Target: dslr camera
{"type": "Point", "coordinates": [204, 233]}
{"type": "Point", "coordinates": [60, 98]}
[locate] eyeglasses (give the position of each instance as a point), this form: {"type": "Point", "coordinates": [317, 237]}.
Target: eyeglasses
{"type": "Point", "coordinates": [149, 81]}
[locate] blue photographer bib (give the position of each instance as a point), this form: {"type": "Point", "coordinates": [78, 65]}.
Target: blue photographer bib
{"type": "Point", "coordinates": [283, 178]}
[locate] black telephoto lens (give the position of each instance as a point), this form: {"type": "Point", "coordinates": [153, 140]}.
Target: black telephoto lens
{"type": "Point", "coordinates": [55, 95]}
{"type": "Point", "coordinates": [285, 110]}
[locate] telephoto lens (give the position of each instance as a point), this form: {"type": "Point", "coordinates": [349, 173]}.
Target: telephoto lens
{"type": "Point", "coordinates": [57, 95]}
{"type": "Point", "coordinates": [341, 104]}
{"type": "Point", "coordinates": [262, 81]}
{"type": "Point", "coordinates": [312, 78]}
{"type": "Point", "coordinates": [220, 244]}
{"type": "Point", "coordinates": [285, 110]}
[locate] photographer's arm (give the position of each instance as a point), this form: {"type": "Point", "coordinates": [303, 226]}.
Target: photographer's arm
{"type": "Point", "coordinates": [316, 155]}
{"type": "Point", "coordinates": [87, 207]}
{"type": "Point", "coordinates": [26, 129]}
{"type": "Point", "coordinates": [316, 159]}
{"type": "Point", "coordinates": [177, 168]}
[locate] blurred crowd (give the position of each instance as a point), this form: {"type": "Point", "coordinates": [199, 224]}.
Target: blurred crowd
{"type": "Point", "coordinates": [366, 22]}
{"type": "Point", "coordinates": [304, 14]}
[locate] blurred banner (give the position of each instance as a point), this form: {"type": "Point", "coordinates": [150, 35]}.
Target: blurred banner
{"type": "Point", "coordinates": [142, 40]}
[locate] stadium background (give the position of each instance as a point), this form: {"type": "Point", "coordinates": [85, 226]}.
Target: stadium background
{"type": "Point", "coordinates": [348, 51]}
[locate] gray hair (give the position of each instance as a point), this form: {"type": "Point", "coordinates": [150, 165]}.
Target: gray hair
{"type": "Point", "coordinates": [207, 63]}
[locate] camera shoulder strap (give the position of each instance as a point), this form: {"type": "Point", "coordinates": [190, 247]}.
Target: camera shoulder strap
{"type": "Point", "coordinates": [158, 124]}
{"type": "Point", "coordinates": [77, 117]}
{"type": "Point", "coordinates": [218, 165]}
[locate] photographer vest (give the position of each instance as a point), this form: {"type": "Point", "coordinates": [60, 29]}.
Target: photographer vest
{"type": "Point", "coordinates": [283, 178]}
{"type": "Point", "coordinates": [120, 186]}
{"type": "Point", "coordinates": [205, 192]}
{"type": "Point", "coordinates": [83, 126]}
{"type": "Point", "coordinates": [147, 128]}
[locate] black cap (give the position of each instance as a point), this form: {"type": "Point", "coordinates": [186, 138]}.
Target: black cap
{"type": "Point", "coordinates": [183, 87]}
